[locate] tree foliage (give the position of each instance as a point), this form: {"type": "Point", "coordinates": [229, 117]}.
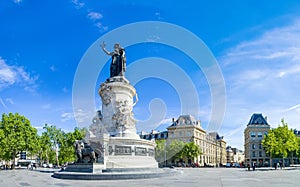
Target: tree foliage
{"type": "Point", "coordinates": [52, 146]}
{"type": "Point", "coordinates": [176, 150]}
{"type": "Point", "coordinates": [16, 135]}
{"type": "Point", "coordinates": [191, 150]}
{"type": "Point", "coordinates": [56, 137]}
{"type": "Point", "coordinates": [57, 146]}
{"type": "Point", "coordinates": [67, 149]}
{"type": "Point", "coordinates": [160, 150]}
{"type": "Point", "coordinates": [280, 141]}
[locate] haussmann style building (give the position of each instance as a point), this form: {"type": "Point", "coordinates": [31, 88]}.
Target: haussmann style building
{"type": "Point", "coordinates": [253, 134]}
{"type": "Point", "coordinates": [186, 128]}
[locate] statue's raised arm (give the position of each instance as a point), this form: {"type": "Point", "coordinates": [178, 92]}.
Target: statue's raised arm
{"type": "Point", "coordinates": [118, 61]}
{"type": "Point", "coordinates": [103, 45]}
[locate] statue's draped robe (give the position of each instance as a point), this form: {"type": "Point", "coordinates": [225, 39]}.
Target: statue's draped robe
{"type": "Point", "coordinates": [116, 66]}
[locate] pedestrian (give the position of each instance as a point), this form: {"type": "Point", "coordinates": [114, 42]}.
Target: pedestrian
{"type": "Point", "coordinates": [253, 166]}
{"type": "Point", "coordinates": [275, 165]}
{"type": "Point", "coordinates": [248, 166]}
{"type": "Point", "coordinates": [280, 163]}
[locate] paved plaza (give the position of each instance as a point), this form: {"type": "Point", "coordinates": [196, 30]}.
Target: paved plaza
{"type": "Point", "coordinates": [188, 177]}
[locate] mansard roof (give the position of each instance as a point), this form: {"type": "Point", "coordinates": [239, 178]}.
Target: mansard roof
{"type": "Point", "coordinates": [186, 120]}
{"type": "Point", "coordinates": [257, 119]}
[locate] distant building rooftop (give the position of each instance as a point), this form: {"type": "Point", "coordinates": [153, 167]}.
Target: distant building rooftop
{"type": "Point", "coordinates": [258, 119]}
{"type": "Point", "coordinates": [186, 120]}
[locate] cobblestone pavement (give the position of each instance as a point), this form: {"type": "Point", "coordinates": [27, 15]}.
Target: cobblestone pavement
{"type": "Point", "coordinates": [188, 177]}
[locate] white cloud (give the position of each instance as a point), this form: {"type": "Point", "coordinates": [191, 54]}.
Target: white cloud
{"type": "Point", "coordinates": [80, 115]}
{"type": "Point", "coordinates": [11, 75]}
{"type": "Point", "coordinates": [91, 15]}
{"type": "Point", "coordinates": [280, 43]}
{"type": "Point", "coordinates": [295, 107]}
{"type": "Point", "coordinates": [294, 70]}
{"type": "Point", "coordinates": [17, 1]}
{"type": "Point", "coordinates": [2, 103]}
{"type": "Point", "coordinates": [10, 101]}
{"type": "Point", "coordinates": [46, 106]}
{"type": "Point", "coordinates": [158, 15]}
{"type": "Point", "coordinates": [38, 127]}
{"type": "Point", "coordinates": [53, 68]}
{"type": "Point", "coordinates": [166, 121]}
{"type": "Point", "coordinates": [101, 27]}
{"type": "Point", "coordinates": [67, 116]}
{"type": "Point", "coordinates": [65, 89]}
{"type": "Point", "coordinates": [78, 4]}
{"type": "Point", "coordinates": [262, 76]}
{"type": "Point", "coordinates": [94, 15]}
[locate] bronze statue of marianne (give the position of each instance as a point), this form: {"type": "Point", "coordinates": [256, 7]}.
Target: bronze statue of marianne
{"type": "Point", "coordinates": [118, 60]}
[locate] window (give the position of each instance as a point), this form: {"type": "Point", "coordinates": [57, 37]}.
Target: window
{"type": "Point", "coordinates": [180, 133]}
{"type": "Point", "coordinates": [266, 133]}
{"type": "Point", "coordinates": [260, 154]}
{"type": "Point", "coordinates": [253, 146]}
{"type": "Point", "coordinates": [162, 135]}
{"type": "Point", "coordinates": [259, 135]}
{"type": "Point", "coordinates": [253, 153]}
{"type": "Point", "coordinates": [252, 134]}
{"type": "Point", "coordinates": [188, 133]}
{"type": "Point", "coordinates": [260, 146]}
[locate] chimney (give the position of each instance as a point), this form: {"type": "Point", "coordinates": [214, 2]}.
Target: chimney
{"type": "Point", "coordinates": [266, 118]}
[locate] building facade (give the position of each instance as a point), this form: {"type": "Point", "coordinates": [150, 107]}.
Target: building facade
{"type": "Point", "coordinates": [187, 129]}
{"type": "Point", "coordinates": [253, 134]}
{"type": "Point", "coordinates": [235, 155]}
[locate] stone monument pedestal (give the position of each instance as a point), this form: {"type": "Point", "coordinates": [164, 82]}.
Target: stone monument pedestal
{"type": "Point", "coordinates": [130, 153]}
{"type": "Point", "coordinates": [117, 96]}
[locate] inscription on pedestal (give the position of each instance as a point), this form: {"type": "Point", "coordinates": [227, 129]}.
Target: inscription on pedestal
{"type": "Point", "coordinates": [122, 150]}
{"type": "Point", "coordinates": [141, 151]}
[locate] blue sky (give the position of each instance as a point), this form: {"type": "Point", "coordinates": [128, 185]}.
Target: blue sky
{"type": "Point", "coordinates": [256, 45]}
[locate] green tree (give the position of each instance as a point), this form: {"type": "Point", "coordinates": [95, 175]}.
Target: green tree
{"type": "Point", "coordinates": [191, 150]}
{"type": "Point", "coordinates": [56, 136]}
{"type": "Point", "coordinates": [67, 149]}
{"type": "Point", "coordinates": [16, 135]}
{"type": "Point", "coordinates": [160, 151]}
{"type": "Point", "coordinates": [298, 143]}
{"type": "Point", "coordinates": [46, 152]}
{"type": "Point", "coordinates": [280, 141]}
{"type": "Point", "coordinates": [174, 150]}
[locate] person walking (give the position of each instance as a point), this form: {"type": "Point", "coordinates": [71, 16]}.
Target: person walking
{"type": "Point", "coordinates": [253, 166]}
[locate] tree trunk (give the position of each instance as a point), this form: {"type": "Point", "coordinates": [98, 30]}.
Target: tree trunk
{"type": "Point", "coordinates": [14, 160]}
{"type": "Point", "coordinates": [57, 163]}
{"type": "Point", "coordinates": [283, 160]}
{"type": "Point", "coordinates": [271, 159]}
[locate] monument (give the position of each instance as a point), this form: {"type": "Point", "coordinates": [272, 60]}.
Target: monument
{"type": "Point", "coordinates": [112, 135]}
